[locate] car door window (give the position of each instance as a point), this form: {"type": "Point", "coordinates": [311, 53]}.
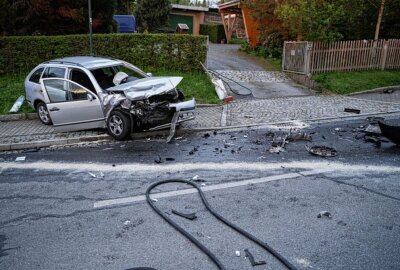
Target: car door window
{"type": "Point", "coordinates": [54, 72]}
{"type": "Point", "coordinates": [82, 78]}
{"type": "Point", "coordinates": [35, 77]}
{"type": "Point", "coordinates": [64, 91]}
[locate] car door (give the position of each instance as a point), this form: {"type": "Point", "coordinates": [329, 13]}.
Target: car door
{"type": "Point", "coordinates": [72, 106]}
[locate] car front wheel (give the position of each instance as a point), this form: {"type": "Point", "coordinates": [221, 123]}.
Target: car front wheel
{"type": "Point", "coordinates": [119, 125]}
{"type": "Point", "coordinates": [43, 113]}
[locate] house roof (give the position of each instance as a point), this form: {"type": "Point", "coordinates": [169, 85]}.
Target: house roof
{"type": "Point", "coordinates": [233, 3]}
{"type": "Point", "coordinates": [190, 8]}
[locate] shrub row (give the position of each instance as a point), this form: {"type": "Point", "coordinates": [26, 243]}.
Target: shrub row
{"type": "Point", "coordinates": [147, 51]}
{"type": "Point", "coordinates": [215, 32]}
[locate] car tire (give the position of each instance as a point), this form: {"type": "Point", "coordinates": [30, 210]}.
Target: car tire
{"type": "Point", "coordinates": [43, 113]}
{"type": "Point", "coordinates": [119, 125]}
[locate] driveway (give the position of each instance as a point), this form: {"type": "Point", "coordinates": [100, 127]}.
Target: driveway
{"type": "Point", "coordinates": [250, 77]}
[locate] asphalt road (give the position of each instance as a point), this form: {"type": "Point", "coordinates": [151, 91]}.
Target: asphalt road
{"type": "Point", "coordinates": [56, 215]}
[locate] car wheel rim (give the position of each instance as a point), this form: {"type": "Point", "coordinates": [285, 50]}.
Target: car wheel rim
{"type": "Point", "coordinates": [116, 125]}
{"type": "Point", "coordinates": [43, 114]}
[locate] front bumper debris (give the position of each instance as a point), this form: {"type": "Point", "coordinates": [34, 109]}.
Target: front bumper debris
{"type": "Point", "coordinates": [184, 111]}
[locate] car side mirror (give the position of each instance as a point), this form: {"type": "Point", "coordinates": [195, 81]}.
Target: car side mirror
{"type": "Point", "coordinates": [90, 97]}
{"type": "Point", "coordinates": [149, 74]}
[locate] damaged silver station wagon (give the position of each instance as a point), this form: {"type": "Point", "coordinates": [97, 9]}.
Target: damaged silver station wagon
{"type": "Point", "coordinates": [85, 92]}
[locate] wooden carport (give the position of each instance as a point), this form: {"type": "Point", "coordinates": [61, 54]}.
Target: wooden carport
{"type": "Point", "coordinates": [229, 12]}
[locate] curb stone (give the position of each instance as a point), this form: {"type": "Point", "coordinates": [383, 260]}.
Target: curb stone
{"type": "Point", "coordinates": [380, 89]}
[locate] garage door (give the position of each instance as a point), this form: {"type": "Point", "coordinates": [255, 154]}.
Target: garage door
{"type": "Point", "coordinates": [175, 19]}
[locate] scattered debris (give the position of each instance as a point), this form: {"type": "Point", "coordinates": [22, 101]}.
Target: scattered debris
{"type": "Point", "coordinates": [324, 214]}
{"type": "Point", "coordinates": [191, 152]}
{"type": "Point", "coordinates": [349, 110]}
{"type": "Point", "coordinates": [251, 259]}
{"type": "Point", "coordinates": [237, 252]}
{"type": "Point", "coordinates": [388, 91]}
{"type": "Point", "coordinates": [322, 151]}
{"type": "Point", "coordinates": [190, 216]}
{"type": "Point", "coordinates": [228, 99]}
{"type": "Point", "coordinates": [373, 129]}
{"type": "Point", "coordinates": [390, 132]}
{"type": "Point", "coordinates": [20, 158]}
{"type": "Point", "coordinates": [207, 135]}
{"type": "Point", "coordinates": [31, 150]}
{"type": "Point", "coordinates": [17, 105]}
{"type": "Point", "coordinates": [278, 144]}
{"type": "Point", "coordinates": [215, 132]}
{"type": "Point", "coordinates": [248, 116]}
{"type": "Point", "coordinates": [301, 136]}
{"type": "Point", "coordinates": [373, 140]}
{"type": "Point", "coordinates": [158, 160]}
{"type": "Point", "coordinates": [92, 175]}
{"type": "Point", "coordinates": [226, 145]}
{"type": "Point", "coordinates": [276, 150]}
{"type": "Point", "coordinates": [169, 159]}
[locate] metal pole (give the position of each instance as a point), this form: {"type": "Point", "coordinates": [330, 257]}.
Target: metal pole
{"type": "Point", "coordinates": [90, 27]}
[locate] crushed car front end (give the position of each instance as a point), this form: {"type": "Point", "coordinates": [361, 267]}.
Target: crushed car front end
{"type": "Point", "coordinates": [153, 103]}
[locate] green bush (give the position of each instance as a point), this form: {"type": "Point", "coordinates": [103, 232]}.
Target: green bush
{"type": "Point", "coordinates": [215, 32]}
{"type": "Point", "coordinates": [147, 51]}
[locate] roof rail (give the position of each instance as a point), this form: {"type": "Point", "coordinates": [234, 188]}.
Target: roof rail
{"type": "Point", "coordinates": [62, 62]}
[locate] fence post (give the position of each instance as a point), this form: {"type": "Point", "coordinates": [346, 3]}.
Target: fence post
{"type": "Point", "coordinates": [307, 59]}
{"type": "Point", "coordinates": [384, 55]}
{"type": "Point", "coordinates": [283, 55]}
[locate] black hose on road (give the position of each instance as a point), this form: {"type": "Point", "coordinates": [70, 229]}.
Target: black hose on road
{"type": "Point", "coordinates": [219, 217]}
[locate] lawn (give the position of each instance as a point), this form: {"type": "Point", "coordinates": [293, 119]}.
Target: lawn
{"type": "Point", "coordinates": [11, 87]}
{"type": "Point", "coordinates": [195, 85]}
{"type": "Point", "coordinates": [350, 82]}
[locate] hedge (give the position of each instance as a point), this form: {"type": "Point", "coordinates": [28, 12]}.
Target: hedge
{"type": "Point", "coordinates": [215, 32]}
{"type": "Point", "coordinates": [147, 51]}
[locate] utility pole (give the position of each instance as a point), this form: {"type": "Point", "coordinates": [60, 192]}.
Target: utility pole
{"type": "Point", "coordinates": [378, 23]}
{"type": "Point", "coordinates": [90, 27]}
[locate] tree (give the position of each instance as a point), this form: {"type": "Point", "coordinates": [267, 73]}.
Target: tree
{"type": "Point", "coordinates": [152, 14]}
{"type": "Point", "coordinates": [312, 19]}
{"type": "Point", "coordinates": [57, 17]}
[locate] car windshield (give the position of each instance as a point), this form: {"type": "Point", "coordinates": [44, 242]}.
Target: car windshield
{"type": "Point", "coordinates": [105, 75]}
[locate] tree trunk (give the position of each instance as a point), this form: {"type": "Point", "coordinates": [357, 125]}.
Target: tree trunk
{"type": "Point", "coordinates": [378, 23]}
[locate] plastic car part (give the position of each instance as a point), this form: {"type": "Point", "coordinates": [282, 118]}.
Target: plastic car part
{"type": "Point", "coordinates": [190, 216]}
{"type": "Point", "coordinates": [212, 256]}
{"type": "Point", "coordinates": [119, 125]}
{"type": "Point", "coordinates": [251, 259]}
{"type": "Point", "coordinates": [43, 113]}
{"type": "Point", "coordinates": [322, 151]}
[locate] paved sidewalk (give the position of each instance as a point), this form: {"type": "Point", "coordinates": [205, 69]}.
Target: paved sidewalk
{"type": "Point", "coordinates": [27, 134]}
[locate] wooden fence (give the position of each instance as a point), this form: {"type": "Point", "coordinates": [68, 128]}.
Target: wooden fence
{"type": "Point", "coordinates": [314, 57]}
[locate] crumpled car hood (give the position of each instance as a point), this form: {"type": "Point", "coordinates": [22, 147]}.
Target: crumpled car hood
{"type": "Point", "coordinates": [147, 87]}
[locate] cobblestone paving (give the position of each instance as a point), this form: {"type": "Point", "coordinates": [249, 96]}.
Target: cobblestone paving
{"type": "Point", "coordinates": [205, 117]}
{"type": "Point", "coordinates": [300, 108]}
{"type": "Point", "coordinates": [254, 76]}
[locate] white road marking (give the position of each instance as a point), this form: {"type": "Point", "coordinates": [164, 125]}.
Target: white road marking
{"type": "Point", "coordinates": [140, 198]}
{"type": "Point", "coordinates": [209, 166]}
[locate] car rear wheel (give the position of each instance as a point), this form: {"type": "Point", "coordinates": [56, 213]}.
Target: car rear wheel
{"type": "Point", "coordinates": [119, 125]}
{"type": "Point", "coordinates": [43, 113]}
